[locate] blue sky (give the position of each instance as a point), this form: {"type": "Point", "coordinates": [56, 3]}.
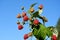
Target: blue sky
{"type": "Point", "coordinates": [10, 8]}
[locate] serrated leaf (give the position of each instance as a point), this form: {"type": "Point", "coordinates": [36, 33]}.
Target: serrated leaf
{"type": "Point", "coordinates": [49, 33]}
{"type": "Point", "coordinates": [42, 32]}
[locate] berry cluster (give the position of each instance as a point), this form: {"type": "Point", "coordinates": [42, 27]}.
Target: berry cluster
{"type": "Point", "coordinates": [33, 22]}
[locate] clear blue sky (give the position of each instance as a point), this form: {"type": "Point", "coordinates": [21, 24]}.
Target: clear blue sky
{"type": "Point", "coordinates": [10, 8]}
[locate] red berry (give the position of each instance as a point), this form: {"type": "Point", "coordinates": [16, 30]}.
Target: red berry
{"type": "Point", "coordinates": [54, 37]}
{"type": "Point", "coordinates": [23, 14]}
{"type": "Point", "coordinates": [20, 27]}
{"type": "Point", "coordinates": [25, 36]}
{"type": "Point", "coordinates": [41, 6]}
{"type": "Point", "coordinates": [24, 39]}
{"type": "Point", "coordinates": [36, 22]}
{"type": "Point", "coordinates": [25, 18]}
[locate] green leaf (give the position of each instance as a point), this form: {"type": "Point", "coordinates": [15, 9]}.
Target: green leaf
{"type": "Point", "coordinates": [42, 32]}
{"type": "Point", "coordinates": [49, 33]}
{"type": "Point", "coordinates": [33, 5]}
{"type": "Point", "coordinates": [35, 14]}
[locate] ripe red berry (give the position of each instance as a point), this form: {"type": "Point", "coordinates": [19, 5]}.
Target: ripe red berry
{"type": "Point", "coordinates": [20, 27]}
{"type": "Point", "coordinates": [23, 14]}
{"type": "Point", "coordinates": [36, 22]}
{"type": "Point", "coordinates": [54, 37]}
{"type": "Point", "coordinates": [25, 18]}
{"type": "Point", "coordinates": [24, 39]}
{"type": "Point", "coordinates": [25, 36]}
